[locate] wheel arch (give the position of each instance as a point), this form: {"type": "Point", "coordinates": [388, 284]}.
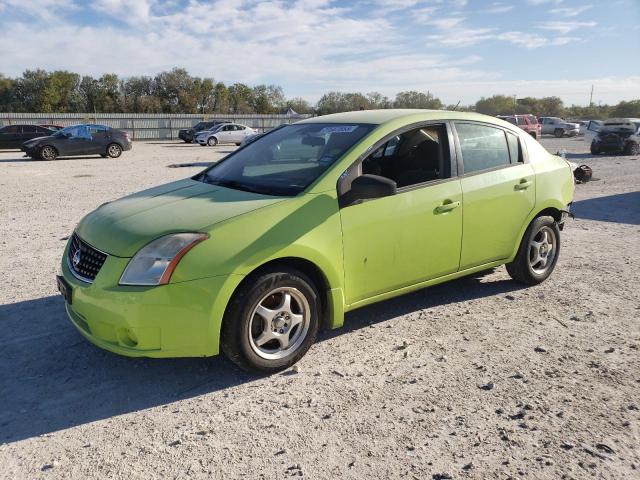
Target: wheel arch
{"type": "Point", "coordinates": [332, 310]}
{"type": "Point", "coordinates": [552, 210]}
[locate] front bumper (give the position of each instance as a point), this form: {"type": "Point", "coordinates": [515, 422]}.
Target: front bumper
{"type": "Point", "coordinates": [175, 320]}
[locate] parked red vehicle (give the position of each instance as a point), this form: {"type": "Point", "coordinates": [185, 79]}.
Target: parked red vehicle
{"type": "Point", "coordinates": [528, 123]}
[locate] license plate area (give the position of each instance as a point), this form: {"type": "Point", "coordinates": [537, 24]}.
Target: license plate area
{"type": "Point", "coordinates": [65, 289]}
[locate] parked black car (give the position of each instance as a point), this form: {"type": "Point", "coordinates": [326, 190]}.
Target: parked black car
{"type": "Point", "coordinates": [13, 136]}
{"type": "Point", "coordinates": [618, 135]}
{"type": "Point", "coordinates": [79, 140]}
{"type": "Point", "coordinates": [189, 134]}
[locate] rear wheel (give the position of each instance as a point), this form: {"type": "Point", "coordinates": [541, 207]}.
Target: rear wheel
{"type": "Point", "coordinates": [538, 252]}
{"type": "Point", "coordinates": [558, 132]}
{"type": "Point", "coordinates": [212, 141]}
{"type": "Point", "coordinates": [114, 150]}
{"type": "Point", "coordinates": [271, 321]}
{"type": "Point", "coordinates": [48, 153]}
{"type": "Point", "coordinates": [632, 148]}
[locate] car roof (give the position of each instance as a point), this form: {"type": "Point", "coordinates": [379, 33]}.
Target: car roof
{"type": "Point", "coordinates": [380, 117]}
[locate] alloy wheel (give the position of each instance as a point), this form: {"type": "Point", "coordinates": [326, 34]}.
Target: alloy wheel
{"type": "Point", "coordinates": [542, 250]}
{"type": "Point", "coordinates": [279, 323]}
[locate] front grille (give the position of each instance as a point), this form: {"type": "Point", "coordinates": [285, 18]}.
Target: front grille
{"type": "Point", "coordinates": [84, 261]}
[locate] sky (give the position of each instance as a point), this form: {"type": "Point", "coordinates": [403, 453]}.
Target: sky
{"type": "Point", "coordinates": [459, 50]}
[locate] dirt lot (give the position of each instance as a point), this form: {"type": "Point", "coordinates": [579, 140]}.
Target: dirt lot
{"type": "Point", "coordinates": [479, 378]}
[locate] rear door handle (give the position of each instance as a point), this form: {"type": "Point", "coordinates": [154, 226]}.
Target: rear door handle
{"type": "Point", "coordinates": [523, 185]}
{"type": "Point", "coordinates": [446, 207]}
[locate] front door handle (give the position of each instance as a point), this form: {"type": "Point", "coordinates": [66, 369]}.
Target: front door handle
{"type": "Point", "coordinates": [523, 185]}
{"type": "Point", "coordinates": [447, 206]}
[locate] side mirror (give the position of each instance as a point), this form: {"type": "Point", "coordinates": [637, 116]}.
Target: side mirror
{"type": "Point", "coordinates": [372, 186]}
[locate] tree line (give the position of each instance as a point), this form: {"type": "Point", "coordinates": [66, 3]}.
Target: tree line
{"type": "Point", "coordinates": [176, 91]}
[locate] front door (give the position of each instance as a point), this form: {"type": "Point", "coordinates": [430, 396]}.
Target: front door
{"type": "Point", "coordinates": [412, 236]}
{"type": "Point", "coordinates": [498, 188]}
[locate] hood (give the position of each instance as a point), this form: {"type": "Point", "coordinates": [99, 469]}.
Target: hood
{"type": "Point", "coordinates": [33, 141]}
{"type": "Point", "coordinates": [123, 226]}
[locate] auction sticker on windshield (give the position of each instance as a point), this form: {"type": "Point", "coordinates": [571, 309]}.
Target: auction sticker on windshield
{"type": "Point", "coordinates": [339, 129]}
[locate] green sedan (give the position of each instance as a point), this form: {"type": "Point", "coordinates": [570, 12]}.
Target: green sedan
{"type": "Point", "coordinates": [283, 236]}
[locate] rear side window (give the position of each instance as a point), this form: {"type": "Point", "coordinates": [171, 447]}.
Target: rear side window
{"type": "Point", "coordinates": [29, 129]}
{"type": "Point", "coordinates": [514, 147]}
{"type": "Point", "coordinates": [482, 147]}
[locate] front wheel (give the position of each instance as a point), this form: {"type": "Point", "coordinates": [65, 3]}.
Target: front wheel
{"type": "Point", "coordinates": [632, 148]}
{"type": "Point", "coordinates": [271, 321]}
{"type": "Point", "coordinates": [114, 150]}
{"type": "Point", "coordinates": [48, 153]}
{"type": "Point", "coordinates": [212, 141]}
{"type": "Point", "coordinates": [559, 133]}
{"type": "Point", "coordinates": [538, 252]}
{"type": "Point", "coordinates": [595, 150]}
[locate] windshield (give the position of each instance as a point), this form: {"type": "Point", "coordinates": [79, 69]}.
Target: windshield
{"type": "Point", "coordinates": [284, 162]}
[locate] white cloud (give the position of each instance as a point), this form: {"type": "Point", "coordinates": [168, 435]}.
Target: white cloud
{"type": "Point", "coordinates": [564, 27]}
{"type": "Point", "coordinates": [495, 8]}
{"type": "Point", "coordinates": [569, 11]}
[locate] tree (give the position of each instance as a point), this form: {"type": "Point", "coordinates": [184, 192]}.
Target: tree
{"type": "Point", "coordinates": [377, 100]}
{"type": "Point", "coordinates": [7, 94]}
{"type": "Point", "coordinates": [495, 105]}
{"type": "Point", "coordinates": [176, 90]}
{"type": "Point", "coordinates": [204, 89]}
{"type": "Point", "coordinates": [334, 102]}
{"type": "Point", "coordinates": [62, 92]}
{"type": "Point", "coordinates": [221, 98]}
{"type": "Point", "coordinates": [627, 109]}
{"type": "Point", "coordinates": [298, 105]}
{"type": "Point", "coordinates": [32, 91]}
{"type": "Point", "coordinates": [413, 99]}
{"type": "Point", "coordinates": [551, 107]}
{"type": "Point", "coordinates": [266, 99]}
{"type": "Point", "coordinates": [240, 96]}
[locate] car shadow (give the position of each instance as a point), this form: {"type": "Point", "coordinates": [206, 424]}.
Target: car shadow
{"type": "Point", "coordinates": [619, 208]}
{"type": "Point", "coordinates": [51, 378]}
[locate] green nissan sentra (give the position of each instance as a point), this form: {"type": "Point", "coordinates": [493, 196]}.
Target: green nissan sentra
{"type": "Point", "coordinates": [283, 236]}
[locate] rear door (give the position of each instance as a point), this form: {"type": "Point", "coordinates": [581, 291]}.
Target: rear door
{"type": "Point", "coordinates": [498, 189]}
{"type": "Point", "coordinates": [80, 142]}
{"type": "Point", "coordinates": [99, 139]}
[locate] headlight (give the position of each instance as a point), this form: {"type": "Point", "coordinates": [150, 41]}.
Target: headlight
{"type": "Point", "coordinates": [154, 263]}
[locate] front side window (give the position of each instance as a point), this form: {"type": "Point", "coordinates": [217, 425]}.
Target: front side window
{"type": "Point", "coordinates": [75, 131]}
{"type": "Point", "coordinates": [521, 121]}
{"type": "Point", "coordinates": [417, 156]}
{"type": "Point", "coordinates": [284, 162]}
{"type": "Point", "coordinates": [482, 147]}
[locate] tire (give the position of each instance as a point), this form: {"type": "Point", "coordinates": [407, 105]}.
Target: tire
{"type": "Point", "coordinates": [202, 144]}
{"type": "Point", "coordinates": [256, 342]}
{"type": "Point", "coordinates": [114, 150]}
{"type": "Point", "coordinates": [532, 264]}
{"type": "Point", "coordinates": [104, 155]}
{"type": "Point", "coordinates": [212, 141]}
{"type": "Point", "coordinates": [534, 135]}
{"type": "Point", "coordinates": [48, 153]}
{"type": "Point", "coordinates": [558, 132]}
{"type": "Point", "coordinates": [595, 150]}
{"type": "Point", "coordinates": [632, 148]}
{"type": "Point", "coordinates": [237, 144]}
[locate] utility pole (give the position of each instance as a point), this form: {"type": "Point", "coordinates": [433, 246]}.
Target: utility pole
{"type": "Point", "coordinates": [591, 96]}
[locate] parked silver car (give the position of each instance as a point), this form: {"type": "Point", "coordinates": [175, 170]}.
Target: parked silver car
{"type": "Point", "coordinates": [226, 133]}
{"type": "Point", "coordinates": [558, 127]}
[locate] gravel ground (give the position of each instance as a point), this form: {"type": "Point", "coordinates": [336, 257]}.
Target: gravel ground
{"type": "Point", "coordinates": [478, 378]}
